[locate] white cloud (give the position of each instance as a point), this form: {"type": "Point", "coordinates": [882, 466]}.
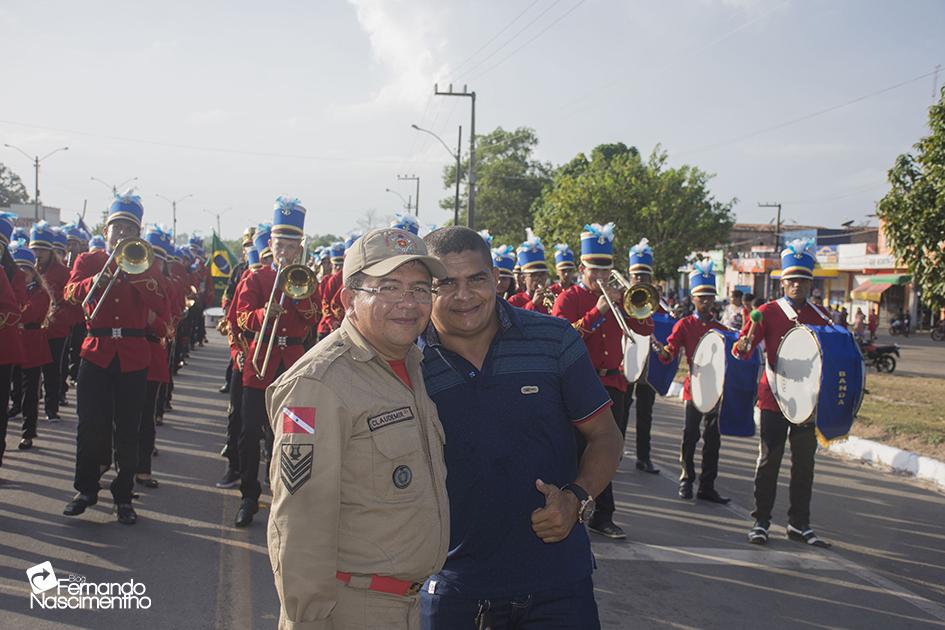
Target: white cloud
{"type": "Point", "coordinates": [210, 117]}
{"type": "Point", "coordinates": [399, 33]}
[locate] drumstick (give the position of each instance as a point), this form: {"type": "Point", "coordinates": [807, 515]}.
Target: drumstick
{"type": "Point", "coordinates": [756, 316]}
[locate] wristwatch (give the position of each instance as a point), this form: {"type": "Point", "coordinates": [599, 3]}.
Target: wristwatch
{"type": "Point", "coordinates": [586, 505]}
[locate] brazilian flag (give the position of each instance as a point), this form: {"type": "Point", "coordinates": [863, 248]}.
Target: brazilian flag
{"type": "Point", "coordinates": [222, 263]}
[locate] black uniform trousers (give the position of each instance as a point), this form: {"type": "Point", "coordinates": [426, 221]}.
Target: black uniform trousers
{"type": "Point", "coordinates": [605, 500]}
{"type": "Point", "coordinates": [6, 373]}
{"type": "Point", "coordinates": [146, 429]}
{"type": "Point", "coordinates": [234, 420]}
{"type": "Point", "coordinates": [75, 348]}
{"type": "Point", "coordinates": [645, 397]}
{"type": "Point", "coordinates": [52, 377]}
{"type": "Point", "coordinates": [711, 442]}
{"type": "Point", "coordinates": [30, 400]}
{"type": "Point", "coordinates": [255, 426]}
{"type": "Point", "coordinates": [108, 401]}
{"type": "Point", "coordinates": [774, 430]}
{"type": "Point", "coordinates": [16, 389]}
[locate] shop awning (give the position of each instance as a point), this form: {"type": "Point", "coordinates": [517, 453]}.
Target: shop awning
{"type": "Point", "coordinates": [893, 278]}
{"type": "Point", "coordinates": [871, 290]}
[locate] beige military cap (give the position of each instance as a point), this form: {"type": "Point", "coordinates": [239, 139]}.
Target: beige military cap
{"type": "Point", "coordinates": [380, 251]}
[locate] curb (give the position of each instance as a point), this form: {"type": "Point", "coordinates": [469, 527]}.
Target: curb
{"type": "Point", "coordinates": [899, 460]}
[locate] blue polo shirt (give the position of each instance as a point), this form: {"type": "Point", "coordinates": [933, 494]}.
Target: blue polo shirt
{"type": "Point", "coordinates": [506, 426]}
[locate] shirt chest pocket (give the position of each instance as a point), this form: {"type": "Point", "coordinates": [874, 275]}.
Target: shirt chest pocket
{"type": "Point", "coordinates": [398, 468]}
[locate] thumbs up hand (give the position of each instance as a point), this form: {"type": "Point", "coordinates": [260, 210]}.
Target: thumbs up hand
{"type": "Point", "coordinates": [554, 522]}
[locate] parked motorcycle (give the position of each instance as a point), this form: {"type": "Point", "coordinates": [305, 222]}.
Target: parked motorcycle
{"type": "Point", "coordinates": [938, 333]}
{"type": "Point", "coordinates": [880, 357]}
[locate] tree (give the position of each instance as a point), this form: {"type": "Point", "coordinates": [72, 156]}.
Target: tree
{"type": "Point", "coordinates": [12, 189]}
{"type": "Point", "coordinates": [508, 181]}
{"type": "Point", "coordinates": [913, 211]}
{"type": "Point", "coordinates": [672, 207]}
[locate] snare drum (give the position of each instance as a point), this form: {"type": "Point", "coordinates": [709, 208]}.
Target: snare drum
{"type": "Point", "coordinates": [635, 355]}
{"type": "Point", "coordinates": [819, 375]}
{"type": "Point", "coordinates": [661, 375]}
{"type": "Point", "coordinates": [707, 371]}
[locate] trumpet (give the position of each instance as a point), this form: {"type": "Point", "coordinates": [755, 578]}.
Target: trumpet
{"type": "Point", "coordinates": [640, 300]}
{"type": "Point", "coordinates": [132, 256]}
{"type": "Point", "coordinates": [295, 281]}
{"type": "Point", "coordinates": [545, 296]}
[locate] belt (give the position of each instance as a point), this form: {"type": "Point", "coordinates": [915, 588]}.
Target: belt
{"type": "Point", "coordinates": [282, 342]}
{"type": "Point", "coordinates": [153, 338]}
{"type": "Point", "coordinates": [117, 333]}
{"type": "Point", "coordinates": [381, 584]}
{"type": "Point", "coordinates": [608, 372]}
{"type": "Point", "coordinates": [32, 326]}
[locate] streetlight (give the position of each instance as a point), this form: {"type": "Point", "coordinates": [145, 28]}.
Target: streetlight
{"type": "Point", "coordinates": [456, 156]}
{"type": "Point", "coordinates": [416, 200]}
{"type": "Point", "coordinates": [36, 161]}
{"type": "Point", "coordinates": [114, 187]}
{"type": "Point", "coordinates": [406, 202]}
{"type": "Point", "coordinates": [174, 203]}
{"type": "Point", "coordinates": [218, 215]}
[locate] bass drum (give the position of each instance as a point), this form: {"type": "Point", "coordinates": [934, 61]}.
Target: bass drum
{"type": "Point", "coordinates": [635, 355]}
{"type": "Point", "coordinates": [796, 382]}
{"type": "Point", "coordinates": [707, 372]}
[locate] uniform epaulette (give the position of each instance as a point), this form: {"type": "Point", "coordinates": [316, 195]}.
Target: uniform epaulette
{"type": "Point", "coordinates": [324, 358]}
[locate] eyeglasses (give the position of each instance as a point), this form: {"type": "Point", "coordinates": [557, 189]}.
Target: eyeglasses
{"type": "Point", "coordinates": [478, 283]}
{"type": "Point", "coordinates": [393, 295]}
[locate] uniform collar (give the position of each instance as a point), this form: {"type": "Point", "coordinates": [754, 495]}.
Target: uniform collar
{"type": "Point", "coordinates": [363, 351]}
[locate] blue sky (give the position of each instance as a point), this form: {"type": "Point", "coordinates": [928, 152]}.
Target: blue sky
{"type": "Point", "coordinates": [315, 99]}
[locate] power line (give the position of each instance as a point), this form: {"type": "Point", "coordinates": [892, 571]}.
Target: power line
{"type": "Point", "coordinates": [839, 195]}
{"type": "Point", "coordinates": [495, 37]}
{"type": "Point", "coordinates": [537, 35]}
{"type": "Point", "coordinates": [820, 112]}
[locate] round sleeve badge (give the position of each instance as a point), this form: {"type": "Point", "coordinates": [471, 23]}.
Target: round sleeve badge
{"type": "Point", "coordinates": [402, 477]}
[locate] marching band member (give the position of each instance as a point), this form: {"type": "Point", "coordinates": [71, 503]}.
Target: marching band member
{"type": "Point", "coordinates": [35, 353]}
{"type": "Point", "coordinates": [160, 330]}
{"type": "Point", "coordinates": [77, 242]}
{"type": "Point", "coordinates": [43, 240]}
{"type": "Point", "coordinates": [328, 288]}
{"type": "Point", "coordinates": [503, 257]}
{"type": "Point", "coordinates": [589, 313]}
{"type": "Point", "coordinates": [640, 270]}
{"type": "Point", "coordinates": [406, 222]}
{"type": "Point", "coordinates": [293, 318]}
{"type": "Point", "coordinates": [797, 274]}
{"type": "Point", "coordinates": [564, 265]}
{"type": "Point", "coordinates": [685, 336]}
{"type": "Point", "coordinates": [531, 260]}
{"type": "Point", "coordinates": [10, 313]}
{"type": "Point", "coordinates": [115, 357]}
{"type": "Point", "coordinates": [236, 274]}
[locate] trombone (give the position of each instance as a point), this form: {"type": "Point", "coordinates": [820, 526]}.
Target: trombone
{"type": "Point", "coordinates": [132, 256]}
{"type": "Point", "coordinates": [639, 300]}
{"type": "Point", "coordinates": [296, 281]}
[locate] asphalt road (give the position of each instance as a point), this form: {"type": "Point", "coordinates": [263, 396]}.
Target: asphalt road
{"type": "Point", "coordinates": [685, 565]}
{"type": "Point", "coordinates": [919, 355]}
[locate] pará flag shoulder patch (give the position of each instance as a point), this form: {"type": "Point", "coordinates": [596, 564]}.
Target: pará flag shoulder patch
{"type": "Point", "coordinates": [296, 465]}
{"type": "Point", "coordinates": [389, 417]}
{"type": "Point", "coordinates": [298, 420]}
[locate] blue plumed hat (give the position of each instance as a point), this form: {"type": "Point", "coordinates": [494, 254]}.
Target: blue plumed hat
{"type": "Point", "coordinates": [60, 240]}
{"type": "Point", "coordinates": [503, 257]}
{"type": "Point", "coordinates": [288, 218]}
{"type": "Point", "coordinates": [97, 243]}
{"type": "Point", "coordinates": [702, 278]}
{"type": "Point", "coordinates": [641, 257]}
{"type": "Point", "coordinates": [486, 237]}
{"type": "Point", "coordinates": [196, 243]}
{"type": "Point", "coordinates": [74, 233]}
{"type": "Point", "coordinates": [261, 240]}
{"type": "Point", "coordinates": [406, 222]}
{"type": "Point", "coordinates": [798, 259]}
{"type": "Point", "coordinates": [22, 255]}
{"type": "Point", "coordinates": [352, 237]}
{"type": "Point", "coordinates": [252, 257]}
{"type": "Point", "coordinates": [337, 252]}
{"type": "Point", "coordinates": [597, 246]}
{"type": "Point", "coordinates": [126, 206]}
{"type": "Point", "coordinates": [42, 236]}
{"type": "Point", "coordinates": [6, 226]}
{"type": "Point", "coordinates": [531, 253]}
{"type": "Point", "coordinates": [564, 257]}
{"type": "Point", "coordinates": [160, 240]}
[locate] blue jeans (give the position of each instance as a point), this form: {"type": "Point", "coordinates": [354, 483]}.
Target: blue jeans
{"type": "Point", "coordinates": [570, 607]}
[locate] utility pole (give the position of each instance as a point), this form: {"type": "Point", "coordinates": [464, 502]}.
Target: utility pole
{"type": "Point", "coordinates": [174, 203]}
{"type": "Point", "coordinates": [114, 187]}
{"type": "Point", "coordinates": [777, 236]}
{"type": "Point", "coordinates": [218, 215]}
{"type": "Point", "coordinates": [36, 160]}
{"type": "Point", "coordinates": [458, 156]}
{"type": "Point", "coordinates": [416, 201]}
{"type": "Point", "coordinates": [471, 211]}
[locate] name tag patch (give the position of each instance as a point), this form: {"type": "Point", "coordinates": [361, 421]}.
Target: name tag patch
{"type": "Point", "coordinates": [389, 417]}
{"type": "Point", "coordinates": [530, 389]}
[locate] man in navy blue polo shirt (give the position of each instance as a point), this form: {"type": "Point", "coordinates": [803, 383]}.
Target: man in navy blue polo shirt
{"type": "Point", "coordinates": [511, 387]}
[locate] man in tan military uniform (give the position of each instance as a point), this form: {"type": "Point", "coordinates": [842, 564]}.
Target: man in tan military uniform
{"type": "Point", "coordinates": [359, 513]}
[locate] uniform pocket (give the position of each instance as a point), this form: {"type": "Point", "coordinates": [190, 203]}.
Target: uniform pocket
{"type": "Point", "coordinates": [398, 462]}
{"type": "Point", "coordinates": [275, 545]}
